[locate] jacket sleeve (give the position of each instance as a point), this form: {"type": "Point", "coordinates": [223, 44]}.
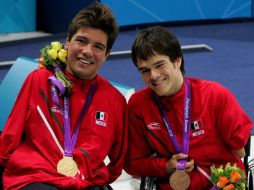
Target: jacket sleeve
{"type": "Point", "coordinates": [119, 148]}
{"type": "Point", "coordinates": [234, 124]}
{"type": "Point", "coordinates": [13, 129]}
{"type": "Point", "coordinates": [140, 158]}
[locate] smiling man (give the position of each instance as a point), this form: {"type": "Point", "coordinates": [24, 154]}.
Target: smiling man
{"type": "Point", "coordinates": [87, 51]}
{"type": "Point", "coordinates": [58, 139]}
{"type": "Point", "coordinates": [179, 126]}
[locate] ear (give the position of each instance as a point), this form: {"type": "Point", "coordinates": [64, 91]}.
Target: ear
{"type": "Point", "coordinates": [67, 42]}
{"type": "Point", "coordinates": [178, 62]}
{"type": "Point", "coordinates": [107, 54]}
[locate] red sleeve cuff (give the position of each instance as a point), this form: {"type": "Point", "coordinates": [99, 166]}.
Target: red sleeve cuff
{"type": "Point", "coordinates": [162, 162]}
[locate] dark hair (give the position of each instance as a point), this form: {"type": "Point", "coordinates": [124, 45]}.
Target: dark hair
{"type": "Point", "coordinates": [97, 16]}
{"type": "Point", "coordinates": [156, 40]}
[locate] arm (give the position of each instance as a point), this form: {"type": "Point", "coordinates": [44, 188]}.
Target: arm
{"type": "Point", "coordinates": [119, 148]}
{"type": "Point", "coordinates": [13, 129]}
{"type": "Point", "coordinates": [140, 158]}
{"type": "Point", "coordinates": [235, 125]}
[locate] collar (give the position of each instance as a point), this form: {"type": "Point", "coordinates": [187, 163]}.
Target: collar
{"type": "Point", "coordinates": [78, 81]}
{"type": "Point", "coordinates": [179, 96]}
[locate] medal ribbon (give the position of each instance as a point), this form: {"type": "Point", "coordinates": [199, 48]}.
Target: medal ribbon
{"type": "Point", "coordinates": [186, 125]}
{"type": "Point", "coordinates": [57, 88]}
{"type": "Point", "coordinates": [70, 140]}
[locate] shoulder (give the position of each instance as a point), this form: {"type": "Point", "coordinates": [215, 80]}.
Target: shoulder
{"type": "Point", "coordinates": [105, 88]}
{"type": "Point", "coordinates": [39, 73]}
{"type": "Point", "coordinates": [38, 76]}
{"type": "Point", "coordinates": [209, 88]}
{"type": "Point", "coordinates": [141, 96]}
{"type": "Point", "coordinates": [201, 84]}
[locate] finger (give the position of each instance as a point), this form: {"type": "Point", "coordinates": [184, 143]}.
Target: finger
{"type": "Point", "coordinates": [188, 170]}
{"type": "Point", "coordinates": [189, 165]}
{"type": "Point", "coordinates": [171, 163]}
{"type": "Point", "coordinates": [180, 156]}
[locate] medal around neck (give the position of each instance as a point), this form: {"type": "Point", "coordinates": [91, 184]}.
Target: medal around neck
{"type": "Point", "coordinates": [67, 166]}
{"type": "Point", "coordinates": [179, 180]}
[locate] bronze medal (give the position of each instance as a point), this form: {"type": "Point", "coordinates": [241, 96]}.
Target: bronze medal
{"type": "Point", "coordinates": [67, 166]}
{"type": "Point", "coordinates": [179, 180]}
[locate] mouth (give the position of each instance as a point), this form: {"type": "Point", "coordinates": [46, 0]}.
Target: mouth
{"type": "Point", "coordinates": [157, 83]}
{"type": "Point", "coordinates": [85, 61]}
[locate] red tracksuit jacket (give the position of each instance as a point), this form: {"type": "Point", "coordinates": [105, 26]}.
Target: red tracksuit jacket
{"type": "Point", "coordinates": [218, 125]}
{"type": "Point", "coordinates": [30, 154]}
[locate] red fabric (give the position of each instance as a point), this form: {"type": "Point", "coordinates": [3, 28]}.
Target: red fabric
{"type": "Point", "coordinates": [222, 127]}
{"type": "Point", "coordinates": [29, 152]}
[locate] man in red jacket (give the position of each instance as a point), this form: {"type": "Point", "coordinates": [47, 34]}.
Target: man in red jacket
{"type": "Point", "coordinates": [179, 126]}
{"type": "Point", "coordinates": [58, 139]}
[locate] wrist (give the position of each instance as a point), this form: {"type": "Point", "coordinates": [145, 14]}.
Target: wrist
{"type": "Point", "coordinates": [170, 169]}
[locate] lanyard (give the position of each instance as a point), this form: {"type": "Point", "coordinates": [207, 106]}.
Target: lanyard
{"type": "Point", "coordinates": [56, 89]}
{"type": "Point", "coordinates": [70, 140]}
{"type": "Point", "coordinates": [186, 125]}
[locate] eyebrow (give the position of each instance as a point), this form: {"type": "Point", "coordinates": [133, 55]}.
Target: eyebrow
{"type": "Point", "coordinates": [100, 44]}
{"type": "Point", "coordinates": [97, 43]}
{"type": "Point", "coordinates": [142, 68]}
{"type": "Point", "coordinates": [154, 64]}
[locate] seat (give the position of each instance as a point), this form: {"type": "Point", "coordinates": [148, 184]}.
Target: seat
{"type": "Point", "coordinates": [1, 173]}
{"type": "Point", "coordinates": [246, 162]}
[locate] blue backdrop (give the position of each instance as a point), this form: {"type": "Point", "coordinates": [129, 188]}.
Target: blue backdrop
{"type": "Point", "coordinates": [17, 16]}
{"type": "Point", "coordinates": [130, 12]}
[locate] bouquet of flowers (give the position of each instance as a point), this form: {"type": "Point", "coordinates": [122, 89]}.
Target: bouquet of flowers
{"type": "Point", "coordinates": [228, 178]}
{"type": "Point", "coordinates": [53, 57]}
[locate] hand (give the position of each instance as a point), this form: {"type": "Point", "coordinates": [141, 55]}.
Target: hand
{"type": "Point", "coordinates": [172, 163]}
{"type": "Point", "coordinates": [240, 153]}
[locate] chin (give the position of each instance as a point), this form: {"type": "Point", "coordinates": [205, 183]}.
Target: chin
{"type": "Point", "coordinates": [157, 90]}
{"type": "Point", "coordinates": [159, 93]}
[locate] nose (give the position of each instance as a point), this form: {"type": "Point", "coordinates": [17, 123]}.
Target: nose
{"type": "Point", "coordinates": [154, 74]}
{"type": "Point", "coordinates": [87, 50]}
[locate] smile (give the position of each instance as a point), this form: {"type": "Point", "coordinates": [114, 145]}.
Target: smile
{"type": "Point", "coordinates": [84, 61]}
{"type": "Point", "coordinates": [157, 83]}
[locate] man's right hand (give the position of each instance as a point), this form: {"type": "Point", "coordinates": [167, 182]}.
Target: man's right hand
{"type": "Point", "coordinates": [172, 163]}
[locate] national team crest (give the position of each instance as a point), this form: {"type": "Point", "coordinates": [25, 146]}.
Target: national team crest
{"type": "Point", "coordinates": [197, 124]}
{"type": "Point", "coordinates": [197, 128]}
{"type": "Point", "coordinates": [101, 118]}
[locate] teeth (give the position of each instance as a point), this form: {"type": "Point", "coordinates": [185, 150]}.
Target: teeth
{"type": "Point", "coordinates": [85, 61]}
{"type": "Point", "coordinates": [157, 83]}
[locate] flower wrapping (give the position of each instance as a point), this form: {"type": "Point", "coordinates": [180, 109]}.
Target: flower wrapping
{"type": "Point", "coordinates": [53, 57]}
{"type": "Point", "coordinates": [228, 177]}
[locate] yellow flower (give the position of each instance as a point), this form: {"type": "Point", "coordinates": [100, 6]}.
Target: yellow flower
{"type": "Point", "coordinates": [52, 53]}
{"type": "Point", "coordinates": [56, 45]}
{"type": "Point", "coordinates": [62, 54]}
